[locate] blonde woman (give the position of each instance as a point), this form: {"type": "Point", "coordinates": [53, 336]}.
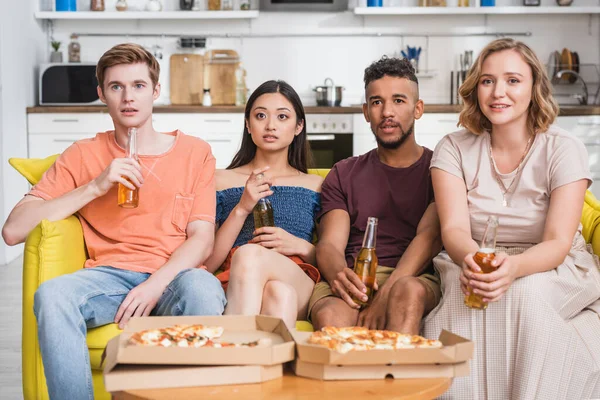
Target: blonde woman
{"type": "Point", "coordinates": [540, 335]}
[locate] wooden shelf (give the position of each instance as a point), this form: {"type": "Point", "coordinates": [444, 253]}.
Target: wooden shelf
{"type": "Point", "coordinates": [474, 10]}
{"type": "Point", "coordinates": [164, 15]}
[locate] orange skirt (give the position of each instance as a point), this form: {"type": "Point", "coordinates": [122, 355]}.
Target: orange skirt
{"type": "Point", "coordinates": [310, 270]}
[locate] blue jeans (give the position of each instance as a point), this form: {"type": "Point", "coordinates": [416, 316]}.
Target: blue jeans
{"type": "Point", "coordinates": [66, 306]}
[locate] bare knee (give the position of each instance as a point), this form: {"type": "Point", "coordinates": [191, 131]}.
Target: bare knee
{"type": "Point", "coordinates": [333, 311]}
{"type": "Point", "coordinates": [246, 261]}
{"type": "Point", "coordinates": [277, 294]}
{"type": "Point", "coordinates": [411, 290]}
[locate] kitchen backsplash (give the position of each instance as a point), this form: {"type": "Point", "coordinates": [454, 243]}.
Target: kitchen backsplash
{"type": "Point", "coordinates": [306, 60]}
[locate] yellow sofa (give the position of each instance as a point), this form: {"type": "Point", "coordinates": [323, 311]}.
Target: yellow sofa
{"type": "Point", "coordinates": [58, 248]}
{"type": "Point", "coordinates": [53, 249]}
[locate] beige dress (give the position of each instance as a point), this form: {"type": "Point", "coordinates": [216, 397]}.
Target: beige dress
{"type": "Point", "coordinates": [542, 339]}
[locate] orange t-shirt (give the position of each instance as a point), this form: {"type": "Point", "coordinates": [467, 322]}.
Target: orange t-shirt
{"type": "Point", "coordinates": [179, 187]}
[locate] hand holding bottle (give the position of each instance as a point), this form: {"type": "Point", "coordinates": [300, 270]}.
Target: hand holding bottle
{"type": "Point", "coordinates": [491, 286]}
{"type": "Point", "coordinates": [125, 171]}
{"type": "Point", "coordinates": [258, 186]}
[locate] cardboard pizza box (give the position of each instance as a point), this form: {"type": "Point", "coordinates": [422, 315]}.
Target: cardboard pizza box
{"type": "Point", "coordinates": [383, 371]}
{"type": "Point", "coordinates": [129, 366]}
{"type": "Point", "coordinates": [456, 349]}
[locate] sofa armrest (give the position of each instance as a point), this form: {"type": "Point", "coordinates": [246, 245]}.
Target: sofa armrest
{"type": "Point", "coordinates": [51, 249]}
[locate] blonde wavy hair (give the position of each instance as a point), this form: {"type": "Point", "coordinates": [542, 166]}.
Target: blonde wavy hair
{"type": "Point", "coordinates": [543, 108]}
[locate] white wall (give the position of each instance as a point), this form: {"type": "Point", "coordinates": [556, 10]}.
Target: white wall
{"type": "Point", "coordinates": [21, 49]}
{"type": "Point", "coordinates": [306, 61]}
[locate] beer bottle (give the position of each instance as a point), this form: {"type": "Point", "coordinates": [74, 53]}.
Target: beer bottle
{"type": "Point", "coordinates": [484, 257]}
{"type": "Point", "coordinates": [263, 210]}
{"type": "Point", "coordinates": [365, 264]}
{"type": "Point", "coordinates": [129, 198]}
{"type": "Point", "coordinates": [263, 214]}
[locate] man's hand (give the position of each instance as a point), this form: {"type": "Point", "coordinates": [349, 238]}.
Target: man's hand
{"type": "Point", "coordinates": [140, 301]}
{"type": "Point", "coordinates": [121, 170]}
{"type": "Point", "coordinates": [374, 316]}
{"type": "Point", "coordinates": [345, 284]}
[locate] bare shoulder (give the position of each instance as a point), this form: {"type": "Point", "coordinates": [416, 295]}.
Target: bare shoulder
{"type": "Point", "coordinates": [228, 178]}
{"type": "Point", "coordinates": [312, 182]}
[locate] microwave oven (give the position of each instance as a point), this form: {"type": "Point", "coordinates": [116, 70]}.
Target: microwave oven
{"type": "Point", "coordinates": [68, 84]}
{"type": "Point", "coordinates": [303, 5]}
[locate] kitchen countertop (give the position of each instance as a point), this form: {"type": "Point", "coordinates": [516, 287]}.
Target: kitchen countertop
{"type": "Point", "coordinates": [429, 108]}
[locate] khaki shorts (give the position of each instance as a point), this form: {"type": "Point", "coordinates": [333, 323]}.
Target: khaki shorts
{"type": "Point", "coordinates": [431, 281]}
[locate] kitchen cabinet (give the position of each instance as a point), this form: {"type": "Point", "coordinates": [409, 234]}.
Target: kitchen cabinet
{"type": "Point", "coordinates": [587, 129]}
{"type": "Point", "coordinates": [53, 133]}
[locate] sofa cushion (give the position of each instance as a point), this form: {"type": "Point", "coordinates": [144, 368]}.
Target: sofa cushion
{"type": "Point", "coordinates": [32, 168]}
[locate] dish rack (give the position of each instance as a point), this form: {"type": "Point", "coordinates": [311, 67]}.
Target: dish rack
{"type": "Point", "coordinates": [570, 83]}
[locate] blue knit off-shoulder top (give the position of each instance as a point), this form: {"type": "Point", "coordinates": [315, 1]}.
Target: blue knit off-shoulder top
{"type": "Point", "coordinates": [294, 210]}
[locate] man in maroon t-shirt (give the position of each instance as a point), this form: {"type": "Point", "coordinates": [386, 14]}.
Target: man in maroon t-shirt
{"type": "Point", "coordinates": [393, 184]}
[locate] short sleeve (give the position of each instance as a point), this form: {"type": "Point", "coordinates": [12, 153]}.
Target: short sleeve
{"type": "Point", "coordinates": [446, 157]}
{"type": "Point", "coordinates": [205, 195]}
{"type": "Point", "coordinates": [62, 177]}
{"type": "Point", "coordinates": [332, 194]}
{"type": "Point", "coordinates": [569, 163]}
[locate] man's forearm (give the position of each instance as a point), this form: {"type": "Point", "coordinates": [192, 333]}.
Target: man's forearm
{"type": "Point", "coordinates": [418, 255]}
{"type": "Point", "coordinates": [192, 253]}
{"type": "Point", "coordinates": [330, 260]}
{"type": "Point", "coordinates": [26, 216]}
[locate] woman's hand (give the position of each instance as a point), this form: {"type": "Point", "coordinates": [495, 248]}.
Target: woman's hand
{"type": "Point", "coordinates": [491, 287]}
{"type": "Point", "coordinates": [281, 241]}
{"type": "Point", "coordinates": [257, 187]}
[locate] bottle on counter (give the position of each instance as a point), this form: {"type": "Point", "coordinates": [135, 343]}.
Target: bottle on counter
{"type": "Point", "coordinates": [74, 50]}
{"type": "Point", "coordinates": [97, 5]}
{"type": "Point", "coordinates": [240, 86]}
{"type": "Point", "coordinates": [206, 99]}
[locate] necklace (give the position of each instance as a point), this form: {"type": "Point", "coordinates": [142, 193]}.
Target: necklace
{"type": "Point", "coordinates": [503, 188]}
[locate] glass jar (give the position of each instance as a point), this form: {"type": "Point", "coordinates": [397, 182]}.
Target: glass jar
{"type": "Point", "coordinates": [74, 50]}
{"type": "Point", "coordinates": [121, 5]}
{"type": "Point", "coordinates": [244, 5]}
{"type": "Point", "coordinates": [97, 5]}
{"type": "Point", "coordinates": [214, 5]}
{"type": "Point", "coordinates": [227, 5]}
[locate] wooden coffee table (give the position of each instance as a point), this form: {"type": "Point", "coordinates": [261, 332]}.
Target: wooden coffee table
{"type": "Point", "coordinates": [292, 387]}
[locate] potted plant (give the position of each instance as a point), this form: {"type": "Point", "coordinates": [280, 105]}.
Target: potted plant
{"type": "Point", "coordinates": [56, 56]}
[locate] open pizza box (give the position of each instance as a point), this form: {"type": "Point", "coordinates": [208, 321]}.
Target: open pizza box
{"type": "Point", "coordinates": [319, 362]}
{"type": "Point", "coordinates": [147, 367]}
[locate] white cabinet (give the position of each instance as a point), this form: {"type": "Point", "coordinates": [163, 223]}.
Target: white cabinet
{"type": "Point", "coordinates": [587, 128]}
{"type": "Point", "coordinates": [52, 133]}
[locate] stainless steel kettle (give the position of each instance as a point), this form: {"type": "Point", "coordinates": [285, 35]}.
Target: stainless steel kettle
{"type": "Point", "coordinates": [329, 95]}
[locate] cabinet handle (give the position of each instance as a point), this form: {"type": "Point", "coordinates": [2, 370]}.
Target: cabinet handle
{"type": "Point", "coordinates": [318, 138]}
{"type": "Point", "coordinates": [218, 140]}
{"type": "Point", "coordinates": [67, 140]}
{"type": "Point", "coordinates": [448, 121]}
{"type": "Point", "coordinates": [65, 120]}
{"type": "Point", "coordinates": [218, 120]}
{"type": "Point", "coordinates": [590, 123]}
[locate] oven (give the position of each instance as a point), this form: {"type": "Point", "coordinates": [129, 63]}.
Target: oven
{"type": "Point", "coordinates": [330, 138]}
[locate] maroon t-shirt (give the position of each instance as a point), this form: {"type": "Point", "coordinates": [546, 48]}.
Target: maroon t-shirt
{"type": "Point", "coordinates": [365, 187]}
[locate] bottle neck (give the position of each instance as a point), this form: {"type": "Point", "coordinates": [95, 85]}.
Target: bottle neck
{"type": "Point", "coordinates": [370, 235]}
{"type": "Point", "coordinates": [131, 151]}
